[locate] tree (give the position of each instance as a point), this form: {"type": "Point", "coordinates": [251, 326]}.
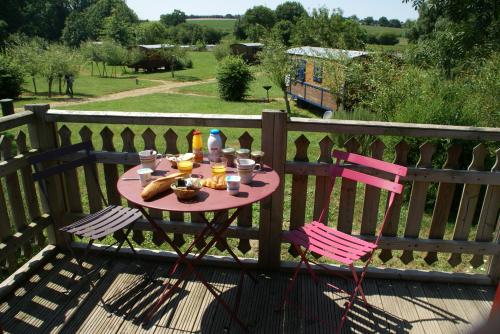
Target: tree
{"type": "Point", "coordinates": [383, 22]}
{"type": "Point", "coordinates": [173, 56]}
{"type": "Point", "coordinates": [150, 33]}
{"type": "Point", "coordinates": [11, 78]}
{"type": "Point", "coordinates": [59, 61]}
{"type": "Point", "coordinates": [328, 29]}
{"type": "Point", "coordinates": [278, 66]}
{"type": "Point", "coordinates": [175, 18]}
{"type": "Point", "coordinates": [116, 28]}
{"type": "Point", "coordinates": [387, 38]}
{"type": "Point", "coordinates": [27, 53]}
{"type": "Point", "coordinates": [283, 32]}
{"type": "Point", "coordinates": [369, 21]}
{"type": "Point", "coordinates": [233, 78]}
{"type": "Point", "coordinates": [395, 23]}
{"type": "Point", "coordinates": [76, 30]}
{"type": "Point", "coordinates": [254, 23]}
{"type": "Point", "coordinates": [290, 11]}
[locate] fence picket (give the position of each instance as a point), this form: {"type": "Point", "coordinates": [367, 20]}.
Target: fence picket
{"type": "Point", "coordinates": [129, 146]}
{"type": "Point", "coordinates": [245, 217]}
{"type": "Point", "coordinates": [444, 200]}
{"type": "Point", "coordinates": [171, 148]}
{"type": "Point", "coordinates": [6, 231]}
{"type": "Point", "coordinates": [468, 203]}
{"type": "Point", "coordinates": [299, 189]}
{"type": "Point", "coordinates": [489, 213]}
{"type": "Point", "coordinates": [347, 195]}
{"type": "Point", "coordinates": [149, 138]}
{"type": "Point", "coordinates": [391, 227]}
{"type": "Point", "coordinates": [29, 187]}
{"type": "Point", "coordinates": [14, 192]}
{"type": "Point", "coordinates": [71, 176]}
{"type": "Point", "coordinates": [326, 146]}
{"type": "Point", "coordinates": [372, 196]}
{"type": "Point", "coordinates": [418, 196]}
{"type": "Point", "coordinates": [91, 175]}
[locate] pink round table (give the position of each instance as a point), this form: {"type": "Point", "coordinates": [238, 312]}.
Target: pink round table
{"type": "Point", "coordinates": [265, 182]}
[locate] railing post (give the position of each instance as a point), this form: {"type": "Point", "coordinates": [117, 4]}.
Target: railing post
{"type": "Point", "coordinates": [274, 141]}
{"type": "Point", "coordinates": [7, 107]}
{"type": "Point", "coordinates": [43, 136]}
{"type": "Point", "coordinates": [494, 262]}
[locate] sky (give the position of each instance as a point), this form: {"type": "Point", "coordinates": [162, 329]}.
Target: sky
{"type": "Point", "coordinates": [152, 9]}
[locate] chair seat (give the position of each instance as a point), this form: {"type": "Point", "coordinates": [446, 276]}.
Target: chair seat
{"type": "Point", "coordinates": [330, 242]}
{"type": "Point", "coordinates": [103, 222]}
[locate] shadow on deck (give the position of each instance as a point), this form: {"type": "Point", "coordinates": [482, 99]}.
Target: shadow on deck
{"type": "Point", "coordinates": [50, 302]}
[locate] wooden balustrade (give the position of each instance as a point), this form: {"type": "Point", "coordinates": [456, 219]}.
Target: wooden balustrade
{"type": "Point", "coordinates": [474, 231]}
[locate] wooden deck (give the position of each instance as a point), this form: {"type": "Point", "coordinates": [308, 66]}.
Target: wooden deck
{"type": "Point", "coordinates": [50, 302]}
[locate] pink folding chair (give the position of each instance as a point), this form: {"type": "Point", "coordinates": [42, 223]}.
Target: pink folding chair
{"type": "Point", "coordinates": [338, 246]}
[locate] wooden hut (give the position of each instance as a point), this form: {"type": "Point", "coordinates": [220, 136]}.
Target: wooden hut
{"type": "Point", "coordinates": [308, 84]}
{"type": "Point", "coordinates": [151, 60]}
{"type": "Point", "coordinates": [247, 50]}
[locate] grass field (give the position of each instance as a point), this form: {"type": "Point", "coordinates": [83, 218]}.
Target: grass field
{"type": "Point", "coordinates": [226, 25]}
{"type": "Point", "coordinates": [256, 91]}
{"type": "Point", "coordinates": [375, 30]}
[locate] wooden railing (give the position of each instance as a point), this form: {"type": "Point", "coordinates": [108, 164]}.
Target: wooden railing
{"type": "Point", "coordinates": [303, 181]}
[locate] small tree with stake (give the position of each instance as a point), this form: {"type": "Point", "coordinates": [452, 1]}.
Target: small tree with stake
{"type": "Point", "coordinates": [173, 56]}
{"type": "Point", "coordinates": [278, 66]}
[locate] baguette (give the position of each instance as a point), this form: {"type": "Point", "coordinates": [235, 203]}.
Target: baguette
{"type": "Point", "coordinates": [159, 185]}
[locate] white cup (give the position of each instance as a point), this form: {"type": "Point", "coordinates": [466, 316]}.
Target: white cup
{"type": "Point", "coordinates": [150, 159]}
{"type": "Point", "coordinates": [233, 184]}
{"type": "Point", "coordinates": [145, 176]}
{"type": "Point", "coordinates": [246, 170]}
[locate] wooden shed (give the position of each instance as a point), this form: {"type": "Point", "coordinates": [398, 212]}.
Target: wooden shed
{"type": "Point", "coordinates": [247, 50]}
{"type": "Point", "coordinates": [308, 84]}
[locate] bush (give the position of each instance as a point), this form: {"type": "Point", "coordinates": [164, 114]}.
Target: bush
{"type": "Point", "coordinates": [221, 51]}
{"type": "Point", "coordinates": [388, 38]}
{"type": "Point", "coordinates": [233, 78]}
{"type": "Point", "coordinates": [11, 78]}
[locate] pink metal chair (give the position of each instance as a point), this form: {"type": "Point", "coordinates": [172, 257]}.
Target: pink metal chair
{"type": "Point", "coordinates": [338, 246]}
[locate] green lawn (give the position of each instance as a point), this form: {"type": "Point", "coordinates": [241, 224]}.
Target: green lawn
{"type": "Point", "coordinates": [376, 30]}
{"type": "Point", "coordinates": [226, 25]}
{"type": "Point", "coordinates": [256, 91]}
{"type": "Point", "coordinates": [85, 86]}
{"type": "Point", "coordinates": [204, 67]}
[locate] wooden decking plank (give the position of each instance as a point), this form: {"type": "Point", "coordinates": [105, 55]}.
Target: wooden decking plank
{"type": "Point", "coordinates": [43, 306]}
{"type": "Point", "coordinates": [455, 306]}
{"type": "Point", "coordinates": [140, 303]}
{"type": "Point", "coordinates": [197, 326]}
{"type": "Point", "coordinates": [183, 305]}
{"type": "Point", "coordinates": [222, 319]}
{"type": "Point", "coordinates": [390, 302]}
{"type": "Point", "coordinates": [449, 322]}
{"type": "Point", "coordinates": [274, 294]}
{"type": "Point", "coordinates": [479, 297]}
{"type": "Point", "coordinates": [32, 283]}
{"type": "Point", "coordinates": [77, 316]}
{"type": "Point", "coordinates": [409, 310]}
{"type": "Point", "coordinates": [185, 313]}
{"type": "Point", "coordinates": [381, 320]}
{"type": "Point", "coordinates": [474, 308]}
{"type": "Point", "coordinates": [105, 320]}
{"type": "Point", "coordinates": [292, 319]}
{"type": "Point", "coordinates": [424, 308]}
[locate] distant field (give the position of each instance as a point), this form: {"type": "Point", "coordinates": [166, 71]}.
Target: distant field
{"type": "Point", "coordinates": [226, 25]}
{"type": "Point", "coordinates": [375, 30]}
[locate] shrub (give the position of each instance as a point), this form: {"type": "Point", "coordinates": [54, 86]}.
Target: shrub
{"type": "Point", "coordinates": [233, 78]}
{"type": "Point", "coordinates": [221, 51]}
{"type": "Point", "coordinates": [388, 38]}
{"type": "Point", "coordinates": [11, 78]}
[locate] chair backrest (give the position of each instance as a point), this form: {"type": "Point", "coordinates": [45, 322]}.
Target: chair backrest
{"type": "Point", "coordinates": [65, 163]}
{"type": "Point", "coordinates": [353, 166]}
{"type": "Point", "coordinates": [62, 155]}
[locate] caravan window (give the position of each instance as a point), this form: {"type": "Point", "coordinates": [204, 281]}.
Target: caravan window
{"type": "Point", "coordinates": [301, 70]}
{"type": "Point", "coordinates": [318, 73]}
